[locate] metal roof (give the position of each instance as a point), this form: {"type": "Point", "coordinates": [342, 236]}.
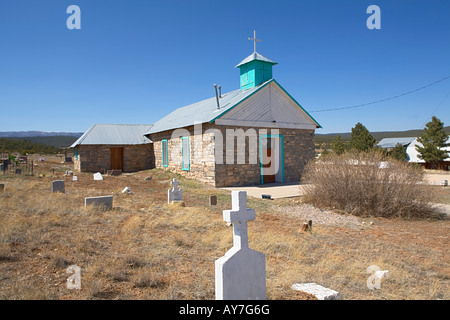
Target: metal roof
{"type": "Point", "coordinates": [207, 111]}
{"type": "Point", "coordinates": [114, 134]}
{"type": "Point", "coordinates": [256, 56]}
{"type": "Point", "coordinates": [392, 142]}
{"type": "Point", "coordinates": [203, 111]}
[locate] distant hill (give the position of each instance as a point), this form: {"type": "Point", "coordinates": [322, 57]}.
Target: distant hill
{"type": "Point", "coordinates": [328, 138]}
{"type": "Point", "coordinates": [23, 134]}
{"type": "Point", "coordinates": [52, 139]}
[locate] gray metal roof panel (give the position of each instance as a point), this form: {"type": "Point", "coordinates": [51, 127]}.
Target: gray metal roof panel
{"type": "Point", "coordinates": [203, 111]}
{"type": "Point", "coordinates": [392, 142]}
{"type": "Point", "coordinates": [255, 56]}
{"type": "Point", "coordinates": [114, 134]}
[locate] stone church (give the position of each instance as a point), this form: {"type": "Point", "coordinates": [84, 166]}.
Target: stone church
{"type": "Point", "coordinates": [257, 134]}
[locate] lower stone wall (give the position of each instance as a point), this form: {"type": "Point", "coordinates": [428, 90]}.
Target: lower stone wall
{"type": "Point", "coordinates": [201, 153]}
{"type": "Point", "coordinates": [298, 146]}
{"type": "Point", "coordinates": [96, 158]}
{"type": "Point", "coordinates": [298, 149]}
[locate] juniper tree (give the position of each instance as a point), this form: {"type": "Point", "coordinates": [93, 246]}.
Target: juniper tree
{"type": "Point", "coordinates": [433, 140]}
{"type": "Point", "coordinates": [399, 152]}
{"type": "Point", "coordinates": [361, 139]}
{"type": "Point", "coordinates": [338, 145]}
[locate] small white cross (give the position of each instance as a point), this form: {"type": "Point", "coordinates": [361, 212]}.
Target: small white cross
{"type": "Point", "coordinates": [239, 215]}
{"type": "Point", "coordinates": [174, 183]}
{"type": "Point", "coordinates": [175, 194]}
{"type": "Point", "coordinates": [254, 40]}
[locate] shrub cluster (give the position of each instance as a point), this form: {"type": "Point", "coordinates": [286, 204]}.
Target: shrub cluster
{"type": "Point", "coordinates": [365, 184]}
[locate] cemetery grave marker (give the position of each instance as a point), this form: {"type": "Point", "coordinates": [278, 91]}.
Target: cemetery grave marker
{"type": "Point", "coordinates": [105, 201]}
{"type": "Point", "coordinates": [174, 194]}
{"type": "Point", "coordinates": [58, 186]}
{"type": "Point", "coordinates": [241, 272]}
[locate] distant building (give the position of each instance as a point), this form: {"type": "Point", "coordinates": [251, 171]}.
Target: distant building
{"type": "Point", "coordinates": [413, 155]}
{"type": "Point", "coordinates": [390, 143]}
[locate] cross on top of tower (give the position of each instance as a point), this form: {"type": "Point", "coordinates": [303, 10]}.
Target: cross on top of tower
{"type": "Point", "coordinates": [254, 40]}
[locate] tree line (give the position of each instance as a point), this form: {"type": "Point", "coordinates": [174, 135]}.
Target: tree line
{"type": "Point", "coordinates": [433, 139]}
{"type": "Point", "coordinates": [26, 147]}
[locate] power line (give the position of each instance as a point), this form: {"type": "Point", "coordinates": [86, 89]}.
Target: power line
{"type": "Point", "coordinates": [386, 99]}
{"type": "Point", "coordinates": [437, 107]}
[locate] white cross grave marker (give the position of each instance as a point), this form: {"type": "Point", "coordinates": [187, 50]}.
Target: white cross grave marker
{"type": "Point", "coordinates": [174, 194]}
{"type": "Point", "coordinates": [241, 272]}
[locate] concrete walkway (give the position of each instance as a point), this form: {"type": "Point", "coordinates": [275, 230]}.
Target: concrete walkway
{"type": "Point", "coordinates": [288, 190]}
{"type": "Point", "coordinates": [276, 190]}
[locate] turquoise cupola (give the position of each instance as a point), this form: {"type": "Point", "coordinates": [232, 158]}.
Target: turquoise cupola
{"type": "Point", "coordinates": [255, 69]}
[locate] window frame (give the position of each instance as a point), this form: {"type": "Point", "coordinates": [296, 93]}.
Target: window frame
{"type": "Point", "coordinates": [165, 155]}
{"type": "Point", "coordinates": [183, 165]}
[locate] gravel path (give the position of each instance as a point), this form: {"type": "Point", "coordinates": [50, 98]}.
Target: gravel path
{"type": "Point", "coordinates": [318, 216]}
{"type": "Point", "coordinates": [308, 212]}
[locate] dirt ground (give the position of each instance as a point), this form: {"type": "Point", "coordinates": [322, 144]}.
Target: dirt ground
{"type": "Point", "coordinates": [147, 249]}
{"type": "Point", "coordinates": [436, 177]}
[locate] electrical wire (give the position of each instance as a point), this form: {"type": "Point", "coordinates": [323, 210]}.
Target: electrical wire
{"type": "Point", "coordinates": [382, 100]}
{"type": "Point", "coordinates": [437, 107]}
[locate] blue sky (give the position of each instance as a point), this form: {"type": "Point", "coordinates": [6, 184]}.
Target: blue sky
{"type": "Point", "coordinates": [135, 61]}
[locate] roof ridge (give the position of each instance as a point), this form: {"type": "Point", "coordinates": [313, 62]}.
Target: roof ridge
{"type": "Point", "coordinates": [122, 124]}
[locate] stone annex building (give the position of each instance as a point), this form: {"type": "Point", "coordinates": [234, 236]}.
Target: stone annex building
{"type": "Point", "coordinates": [256, 134]}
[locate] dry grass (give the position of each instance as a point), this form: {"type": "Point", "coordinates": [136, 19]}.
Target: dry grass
{"type": "Point", "coordinates": [146, 249]}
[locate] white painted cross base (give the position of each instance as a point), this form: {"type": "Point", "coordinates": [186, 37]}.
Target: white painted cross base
{"type": "Point", "coordinates": [174, 194]}
{"type": "Point", "coordinates": [241, 273]}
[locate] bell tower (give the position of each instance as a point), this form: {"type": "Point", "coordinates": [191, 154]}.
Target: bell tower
{"type": "Point", "coordinates": [255, 69]}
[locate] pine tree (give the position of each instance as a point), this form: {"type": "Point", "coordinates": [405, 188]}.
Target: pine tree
{"type": "Point", "coordinates": [338, 146]}
{"type": "Point", "coordinates": [399, 152]}
{"type": "Point", "coordinates": [361, 139]}
{"type": "Point", "coordinates": [433, 140]}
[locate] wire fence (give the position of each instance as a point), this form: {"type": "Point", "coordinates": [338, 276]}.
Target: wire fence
{"type": "Point", "coordinates": [16, 167]}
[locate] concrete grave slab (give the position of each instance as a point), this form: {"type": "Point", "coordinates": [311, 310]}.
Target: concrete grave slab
{"type": "Point", "coordinates": [98, 176]}
{"type": "Point", "coordinates": [105, 201]}
{"type": "Point", "coordinates": [317, 290]}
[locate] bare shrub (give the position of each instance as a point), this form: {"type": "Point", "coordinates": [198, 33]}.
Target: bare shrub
{"type": "Point", "coordinates": [365, 184]}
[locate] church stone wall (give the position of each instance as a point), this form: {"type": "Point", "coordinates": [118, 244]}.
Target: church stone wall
{"type": "Point", "coordinates": [298, 147]}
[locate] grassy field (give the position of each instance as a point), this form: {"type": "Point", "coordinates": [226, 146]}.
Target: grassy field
{"type": "Point", "coordinates": [147, 249]}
